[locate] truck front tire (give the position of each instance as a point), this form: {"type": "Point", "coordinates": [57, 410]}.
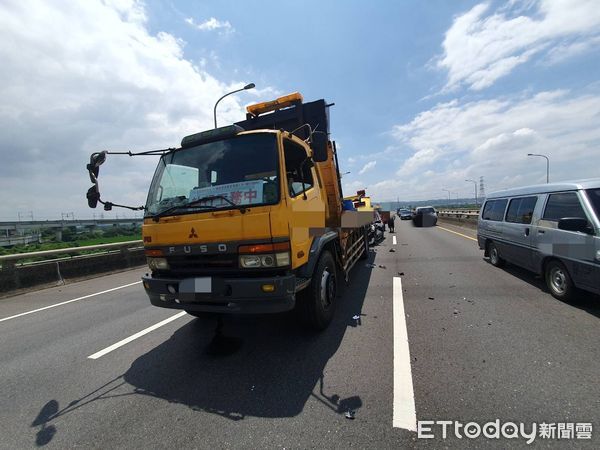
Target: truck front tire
{"type": "Point", "coordinates": [316, 304]}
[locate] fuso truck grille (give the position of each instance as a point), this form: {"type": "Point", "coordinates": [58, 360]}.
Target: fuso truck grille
{"type": "Point", "coordinates": [199, 263]}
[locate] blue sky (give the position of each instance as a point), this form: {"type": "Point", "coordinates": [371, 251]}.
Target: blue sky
{"type": "Point", "coordinates": [427, 94]}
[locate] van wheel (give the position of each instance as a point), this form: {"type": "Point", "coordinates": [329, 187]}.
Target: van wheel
{"type": "Point", "coordinates": [495, 258]}
{"type": "Point", "coordinates": [559, 281]}
{"type": "Point", "coordinates": [316, 304]}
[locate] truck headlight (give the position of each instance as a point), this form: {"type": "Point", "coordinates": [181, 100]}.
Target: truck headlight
{"type": "Point", "coordinates": [250, 261]}
{"type": "Point", "coordinates": [283, 259]}
{"type": "Point", "coordinates": [264, 261]}
{"type": "Point", "coordinates": [157, 263]}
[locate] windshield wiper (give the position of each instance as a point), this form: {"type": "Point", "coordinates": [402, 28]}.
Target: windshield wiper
{"type": "Point", "coordinates": [195, 203]}
{"type": "Point", "coordinates": [242, 208]}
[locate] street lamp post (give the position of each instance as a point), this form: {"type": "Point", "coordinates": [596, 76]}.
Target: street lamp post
{"type": "Point", "coordinates": [248, 86]}
{"type": "Point", "coordinates": [475, 183]}
{"type": "Point", "coordinates": [547, 165]}
{"type": "Point", "coordinates": [448, 195]}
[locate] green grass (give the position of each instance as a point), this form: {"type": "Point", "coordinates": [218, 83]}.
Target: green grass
{"type": "Point", "coordinates": [108, 240]}
{"type": "Point", "coordinates": [77, 243]}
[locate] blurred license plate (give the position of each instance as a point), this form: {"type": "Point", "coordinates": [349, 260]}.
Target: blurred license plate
{"type": "Point", "coordinates": [203, 285]}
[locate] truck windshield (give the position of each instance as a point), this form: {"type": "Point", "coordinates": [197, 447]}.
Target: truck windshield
{"type": "Point", "coordinates": [242, 170]}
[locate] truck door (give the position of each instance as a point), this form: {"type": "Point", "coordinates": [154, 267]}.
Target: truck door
{"type": "Point", "coordinates": [306, 207]}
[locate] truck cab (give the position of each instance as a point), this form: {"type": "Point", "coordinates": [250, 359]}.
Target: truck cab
{"type": "Point", "coordinates": [248, 218]}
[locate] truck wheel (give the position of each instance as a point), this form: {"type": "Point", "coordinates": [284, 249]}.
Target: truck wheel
{"type": "Point", "coordinates": [317, 302]}
{"type": "Point", "coordinates": [559, 281]}
{"type": "Point", "coordinates": [495, 259]}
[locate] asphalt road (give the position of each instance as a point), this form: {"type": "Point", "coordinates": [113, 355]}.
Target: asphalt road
{"type": "Point", "coordinates": [485, 344]}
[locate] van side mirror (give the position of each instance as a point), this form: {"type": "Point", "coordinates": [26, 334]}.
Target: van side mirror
{"type": "Point", "coordinates": [575, 224]}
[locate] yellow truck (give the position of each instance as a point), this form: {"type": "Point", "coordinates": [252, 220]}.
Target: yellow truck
{"type": "Point", "coordinates": [250, 218]}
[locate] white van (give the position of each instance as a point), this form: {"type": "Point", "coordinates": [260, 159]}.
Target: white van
{"type": "Point", "coordinates": [551, 229]}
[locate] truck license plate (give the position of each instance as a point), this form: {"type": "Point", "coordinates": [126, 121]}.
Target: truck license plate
{"type": "Point", "coordinates": [203, 285]}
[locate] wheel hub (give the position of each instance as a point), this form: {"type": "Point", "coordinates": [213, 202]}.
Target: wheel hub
{"type": "Point", "coordinates": [327, 288]}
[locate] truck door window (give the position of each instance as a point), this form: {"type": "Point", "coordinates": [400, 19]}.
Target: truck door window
{"type": "Point", "coordinates": [298, 174]}
{"type": "Point", "coordinates": [520, 210]}
{"type": "Point", "coordinates": [565, 204]}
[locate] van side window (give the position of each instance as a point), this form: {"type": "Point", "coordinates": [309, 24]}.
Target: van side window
{"type": "Point", "coordinates": [520, 210]}
{"type": "Point", "coordinates": [296, 171]}
{"type": "Point", "coordinates": [494, 210]}
{"type": "Point", "coordinates": [561, 205]}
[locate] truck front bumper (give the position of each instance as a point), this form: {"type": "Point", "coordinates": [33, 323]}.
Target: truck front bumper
{"type": "Point", "coordinates": [221, 294]}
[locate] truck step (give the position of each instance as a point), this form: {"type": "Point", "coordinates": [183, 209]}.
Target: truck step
{"type": "Point", "coordinates": [302, 283]}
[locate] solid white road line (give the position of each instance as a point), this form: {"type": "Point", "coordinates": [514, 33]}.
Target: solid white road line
{"type": "Point", "coordinates": [404, 415]}
{"type": "Point", "coordinates": [69, 301]}
{"type": "Point", "coordinates": [394, 240]}
{"type": "Point", "coordinates": [135, 336]}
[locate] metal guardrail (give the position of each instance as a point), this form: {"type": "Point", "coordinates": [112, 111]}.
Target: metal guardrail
{"type": "Point", "coordinates": [24, 270]}
{"type": "Point", "coordinates": [9, 260]}
{"type": "Point", "coordinates": [459, 214]}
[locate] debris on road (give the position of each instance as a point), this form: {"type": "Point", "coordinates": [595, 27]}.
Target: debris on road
{"type": "Point", "coordinates": [455, 312]}
{"type": "Point", "coordinates": [431, 298]}
{"type": "Point", "coordinates": [382, 266]}
{"type": "Point", "coordinates": [489, 323]}
{"type": "Point", "coordinates": [392, 250]}
{"type": "Point", "coordinates": [350, 414]}
{"type": "Point", "coordinates": [356, 317]}
{"type": "Point", "coordinates": [401, 274]}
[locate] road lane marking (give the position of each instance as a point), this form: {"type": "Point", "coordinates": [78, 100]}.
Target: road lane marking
{"type": "Point", "coordinates": [460, 234]}
{"type": "Point", "coordinates": [69, 301]}
{"type": "Point", "coordinates": [135, 336]}
{"type": "Point", "coordinates": [394, 240]}
{"type": "Point", "coordinates": [404, 415]}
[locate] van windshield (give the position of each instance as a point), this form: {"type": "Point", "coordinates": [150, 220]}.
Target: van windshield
{"type": "Point", "coordinates": [594, 196]}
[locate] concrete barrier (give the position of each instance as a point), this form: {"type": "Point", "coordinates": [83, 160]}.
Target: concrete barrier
{"type": "Point", "coordinates": [16, 273]}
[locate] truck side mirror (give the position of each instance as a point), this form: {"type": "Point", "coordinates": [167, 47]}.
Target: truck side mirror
{"type": "Point", "coordinates": [93, 196]}
{"type": "Point", "coordinates": [319, 143]}
{"type": "Point", "coordinates": [96, 160]}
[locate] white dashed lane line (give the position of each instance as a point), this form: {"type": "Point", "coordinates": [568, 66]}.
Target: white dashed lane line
{"type": "Point", "coordinates": [404, 413]}
{"type": "Point", "coordinates": [68, 301]}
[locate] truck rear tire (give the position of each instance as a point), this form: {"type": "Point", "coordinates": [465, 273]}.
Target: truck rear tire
{"type": "Point", "coordinates": [316, 304]}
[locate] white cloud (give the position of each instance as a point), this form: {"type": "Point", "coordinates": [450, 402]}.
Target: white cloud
{"type": "Point", "coordinates": [368, 166]}
{"type": "Point", "coordinates": [85, 77]}
{"type": "Point", "coordinates": [481, 47]}
{"type": "Point", "coordinates": [211, 25]}
{"type": "Point", "coordinates": [491, 138]}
